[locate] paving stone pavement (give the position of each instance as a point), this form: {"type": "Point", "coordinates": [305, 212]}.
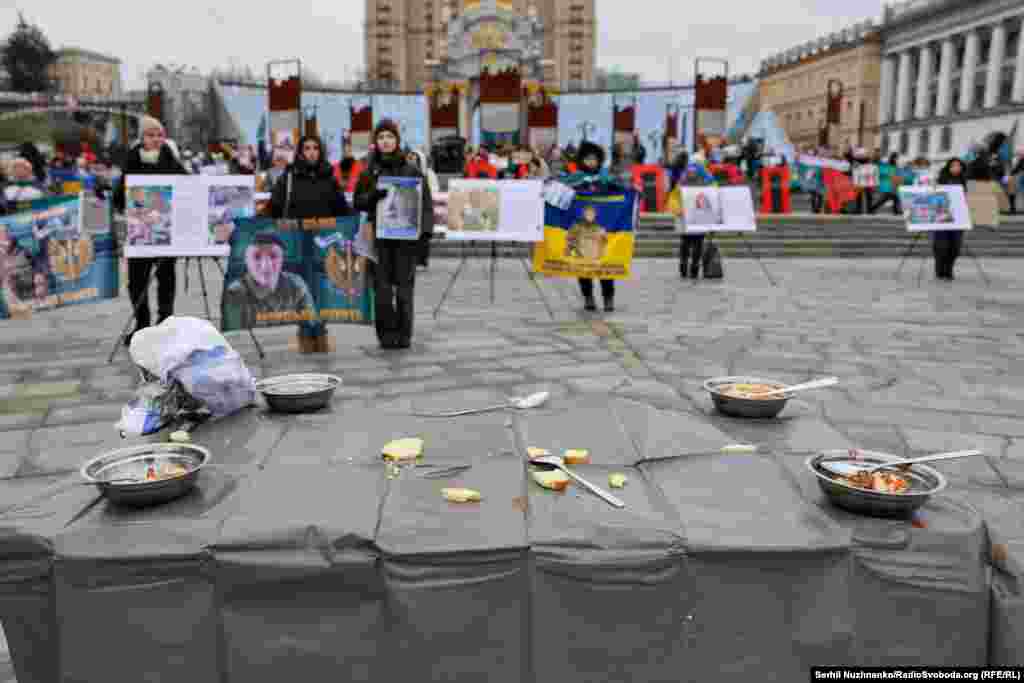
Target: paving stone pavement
{"type": "Point", "coordinates": [923, 367]}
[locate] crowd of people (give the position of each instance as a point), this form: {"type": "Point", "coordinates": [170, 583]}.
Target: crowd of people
{"type": "Point", "coordinates": [305, 184]}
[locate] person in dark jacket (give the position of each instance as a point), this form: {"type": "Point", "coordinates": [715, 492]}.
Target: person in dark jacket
{"type": "Point", "coordinates": [153, 157]}
{"type": "Point", "coordinates": [394, 274]}
{"type": "Point", "coordinates": [308, 189]}
{"type": "Point", "coordinates": [946, 244]}
{"type": "Point", "coordinates": [590, 158]}
{"type": "Point", "coordinates": [691, 246]}
{"type": "Point", "coordinates": [34, 156]}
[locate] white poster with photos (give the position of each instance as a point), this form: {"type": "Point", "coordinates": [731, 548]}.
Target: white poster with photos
{"type": "Point", "coordinates": [496, 211]}
{"type": "Point", "coordinates": [178, 215]}
{"type": "Point", "coordinates": [935, 209]}
{"type": "Point", "coordinates": [717, 209]}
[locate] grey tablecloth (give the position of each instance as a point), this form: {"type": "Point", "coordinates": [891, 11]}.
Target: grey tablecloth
{"type": "Point", "coordinates": [298, 558]}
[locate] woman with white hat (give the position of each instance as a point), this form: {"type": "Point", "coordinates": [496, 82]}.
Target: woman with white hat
{"type": "Point", "coordinates": [155, 155]}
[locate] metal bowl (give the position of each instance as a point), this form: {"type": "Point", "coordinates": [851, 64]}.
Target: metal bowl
{"type": "Point", "coordinates": [924, 483]}
{"type": "Point", "coordinates": [108, 472]}
{"type": "Point", "coordinates": [304, 393]}
{"type": "Point", "coordinates": [745, 407]}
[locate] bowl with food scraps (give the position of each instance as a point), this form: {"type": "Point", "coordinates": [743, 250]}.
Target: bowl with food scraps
{"type": "Point", "coordinates": [301, 393]}
{"type": "Point", "coordinates": [845, 478]}
{"type": "Point", "coordinates": [742, 396]}
{"type": "Point", "coordinates": [149, 474]}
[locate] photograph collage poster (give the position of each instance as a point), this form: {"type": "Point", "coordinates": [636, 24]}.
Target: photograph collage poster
{"type": "Point", "coordinates": [185, 215]}
{"type": "Point", "coordinates": [935, 208]}
{"type": "Point", "coordinates": [593, 238]}
{"type": "Point", "coordinates": [284, 272]}
{"type": "Point", "coordinates": [49, 259]}
{"type": "Point", "coordinates": [496, 210]}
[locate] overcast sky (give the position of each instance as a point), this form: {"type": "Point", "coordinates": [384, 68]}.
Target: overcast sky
{"type": "Point", "coordinates": [657, 38]}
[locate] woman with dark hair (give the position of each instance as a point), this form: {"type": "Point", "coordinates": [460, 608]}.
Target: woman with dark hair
{"type": "Point", "coordinates": [307, 190]}
{"type": "Point", "coordinates": [591, 162]}
{"type": "Point", "coordinates": [946, 244]}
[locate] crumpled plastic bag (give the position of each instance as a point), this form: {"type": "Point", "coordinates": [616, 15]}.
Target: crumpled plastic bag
{"type": "Point", "coordinates": [190, 372]}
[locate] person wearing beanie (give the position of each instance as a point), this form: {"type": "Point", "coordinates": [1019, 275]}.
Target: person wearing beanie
{"type": "Point", "coordinates": [153, 156]}
{"type": "Point", "coordinates": [394, 274]}
{"type": "Point", "coordinates": [306, 190]}
{"type": "Point", "coordinates": [590, 159]}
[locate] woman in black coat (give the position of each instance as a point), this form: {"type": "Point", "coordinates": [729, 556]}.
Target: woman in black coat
{"type": "Point", "coordinates": [394, 274]}
{"type": "Point", "coordinates": [306, 190]}
{"type": "Point", "coordinates": [590, 160]}
{"type": "Point", "coordinates": [946, 244]}
{"type": "Point", "coordinates": [153, 157]}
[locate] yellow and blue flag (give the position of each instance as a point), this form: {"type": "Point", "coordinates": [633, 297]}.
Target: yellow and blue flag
{"type": "Point", "coordinates": [593, 238]}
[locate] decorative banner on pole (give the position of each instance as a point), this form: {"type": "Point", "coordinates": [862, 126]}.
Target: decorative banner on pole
{"type": "Point", "coordinates": [48, 260]}
{"type": "Point", "coordinates": [361, 114]}
{"type": "Point", "coordinates": [284, 90]}
{"type": "Point", "coordinates": [593, 238]}
{"type": "Point", "coordinates": [623, 122]}
{"type": "Point", "coordinates": [500, 103]}
{"type": "Point", "coordinates": [286, 272]}
{"type": "Point", "coordinates": [541, 118]}
{"type": "Point", "coordinates": [444, 112]}
{"type": "Point", "coordinates": [710, 110]}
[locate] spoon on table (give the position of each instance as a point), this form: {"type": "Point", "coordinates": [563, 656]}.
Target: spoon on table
{"type": "Point", "coordinates": [845, 468]}
{"type": "Point", "coordinates": [558, 463]}
{"type": "Point", "coordinates": [806, 386]}
{"type": "Point", "coordinates": [519, 403]}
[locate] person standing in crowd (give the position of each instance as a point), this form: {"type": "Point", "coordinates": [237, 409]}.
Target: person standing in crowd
{"type": "Point", "coordinates": [32, 154]}
{"type": "Point", "coordinates": [590, 159]}
{"type": "Point", "coordinates": [308, 190]}
{"type": "Point", "coordinates": [639, 151]}
{"type": "Point", "coordinates": [22, 187]}
{"type": "Point", "coordinates": [154, 156]}
{"type": "Point", "coordinates": [691, 247]}
{"type": "Point", "coordinates": [556, 162]}
{"type": "Point", "coordinates": [348, 169]}
{"type": "Point", "coordinates": [419, 159]}
{"type": "Point", "coordinates": [889, 178]}
{"type": "Point", "coordinates": [394, 274]}
{"type": "Point", "coordinates": [946, 244]}
{"type": "Point", "coordinates": [1016, 182]}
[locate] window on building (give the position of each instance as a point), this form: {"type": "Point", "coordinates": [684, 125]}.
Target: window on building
{"type": "Point", "coordinates": [946, 139]}
{"type": "Point", "coordinates": [924, 142]}
{"type": "Point", "coordinates": [885, 144]}
{"type": "Point", "coordinates": [1012, 44]}
{"type": "Point", "coordinates": [904, 142]}
{"type": "Point", "coordinates": [1005, 85]}
{"type": "Point", "coordinates": [979, 91]}
{"type": "Point", "coordinates": [961, 50]}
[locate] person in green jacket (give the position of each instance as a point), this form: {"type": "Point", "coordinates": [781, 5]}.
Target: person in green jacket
{"type": "Point", "coordinates": [889, 180]}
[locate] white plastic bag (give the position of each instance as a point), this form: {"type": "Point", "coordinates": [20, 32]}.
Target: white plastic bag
{"type": "Point", "coordinates": [193, 365]}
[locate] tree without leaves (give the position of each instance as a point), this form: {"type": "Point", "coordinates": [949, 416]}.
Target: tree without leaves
{"type": "Point", "coordinates": [27, 57]}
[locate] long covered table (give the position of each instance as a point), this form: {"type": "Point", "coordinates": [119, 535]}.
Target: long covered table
{"type": "Point", "coordinates": [299, 557]}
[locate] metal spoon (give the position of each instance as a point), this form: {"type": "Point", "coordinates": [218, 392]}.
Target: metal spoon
{"type": "Point", "coordinates": [806, 386]}
{"type": "Point", "coordinates": [845, 468]}
{"type": "Point", "coordinates": [519, 403]}
{"type": "Point", "coordinates": [558, 463]}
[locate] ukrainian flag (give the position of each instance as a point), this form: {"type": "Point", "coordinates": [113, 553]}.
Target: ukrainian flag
{"type": "Point", "coordinates": [593, 238]}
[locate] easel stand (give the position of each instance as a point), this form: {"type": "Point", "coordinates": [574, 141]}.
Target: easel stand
{"type": "Point", "coordinates": [924, 258]}
{"type": "Point", "coordinates": [492, 272]}
{"type": "Point", "coordinates": [119, 342]}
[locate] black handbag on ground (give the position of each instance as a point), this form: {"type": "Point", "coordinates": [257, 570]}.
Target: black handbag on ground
{"type": "Point", "coordinates": [712, 262]}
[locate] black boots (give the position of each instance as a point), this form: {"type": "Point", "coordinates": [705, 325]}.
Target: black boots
{"type": "Point", "coordinates": [588, 303]}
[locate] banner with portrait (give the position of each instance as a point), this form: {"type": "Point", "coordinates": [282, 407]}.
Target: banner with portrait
{"type": "Point", "coordinates": [283, 272]}
{"type": "Point", "coordinates": [716, 209]}
{"type": "Point", "coordinates": [593, 238]}
{"type": "Point", "coordinates": [935, 208]}
{"type": "Point", "coordinates": [48, 259]}
{"type": "Point", "coordinates": [177, 215]}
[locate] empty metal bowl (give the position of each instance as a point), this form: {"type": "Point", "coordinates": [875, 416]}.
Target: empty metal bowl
{"type": "Point", "coordinates": [924, 483]}
{"type": "Point", "coordinates": [120, 475]}
{"type": "Point", "coordinates": [305, 393]}
{"type": "Point", "coordinates": [745, 407]}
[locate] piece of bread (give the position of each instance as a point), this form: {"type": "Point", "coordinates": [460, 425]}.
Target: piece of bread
{"type": "Point", "coordinates": [554, 480]}
{"type": "Point", "coordinates": [402, 450]}
{"type": "Point", "coordinates": [617, 480]}
{"type": "Point", "coordinates": [461, 495]}
{"type": "Point", "coordinates": [532, 452]}
{"type": "Point", "coordinates": [576, 457]}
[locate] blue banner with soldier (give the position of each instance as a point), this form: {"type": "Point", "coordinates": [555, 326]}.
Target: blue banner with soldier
{"type": "Point", "coordinates": [283, 272]}
{"type": "Point", "coordinates": [49, 258]}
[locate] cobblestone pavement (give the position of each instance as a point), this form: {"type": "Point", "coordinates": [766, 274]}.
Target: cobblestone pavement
{"type": "Point", "coordinates": [923, 368]}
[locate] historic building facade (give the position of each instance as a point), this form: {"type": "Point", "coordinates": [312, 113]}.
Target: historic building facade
{"type": "Point", "coordinates": [81, 73]}
{"type": "Point", "coordinates": [845, 67]}
{"type": "Point", "coordinates": [953, 72]}
{"type": "Point", "coordinates": [405, 39]}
